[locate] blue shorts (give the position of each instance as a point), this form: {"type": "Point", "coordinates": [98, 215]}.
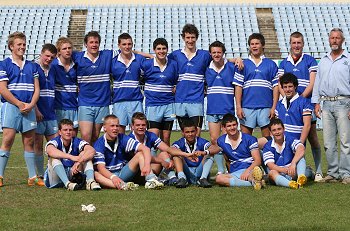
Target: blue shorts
{"type": "Point", "coordinates": [256, 117]}
{"type": "Point", "coordinates": [214, 118]}
{"type": "Point", "coordinates": [193, 173]}
{"type": "Point", "coordinates": [92, 114]}
{"type": "Point", "coordinates": [125, 110]}
{"type": "Point", "coordinates": [67, 114]}
{"type": "Point", "coordinates": [11, 117]}
{"type": "Point", "coordinates": [47, 128]}
{"type": "Point", "coordinates": [189, 109]}
{"type": "Point", "coordinates": [125, 173]}
{"type": "Point", "coordinates": [161, 113]}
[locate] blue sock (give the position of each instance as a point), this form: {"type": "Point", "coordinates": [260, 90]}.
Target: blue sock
{"type": "Point", "coordinates": [89, 174]}
{"type": "Point", "coordinates": [316, 153]}
{"type": "Point", "coordinates": [219, 159]}
{"type": "Point", "coordinates": [126, 174]}
{"type": "Point", "coordinates": [171, 174]}
{"type": "Point", "coordinates": [234, 181]}
{"type": "Point", "coordinates": [208, 163]}
{"type": "Point", "coordinates": [282, 181]}
{"type": "Point", "coordinates": [61, 173]}
{"type": "Point", "coordinates": [39, 162]}
{"type": "Point", "coordinates": [4, 157]}
{"type": "Point", "coordinates": [301, 166]}
{"type": "Point", "coordinates": [29, 157]}
{"type": "Point", "coordinates": [181, 175]}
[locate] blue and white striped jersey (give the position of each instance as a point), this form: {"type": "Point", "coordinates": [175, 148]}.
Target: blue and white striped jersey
{"type": "Point", "coordinates": [151, 140]}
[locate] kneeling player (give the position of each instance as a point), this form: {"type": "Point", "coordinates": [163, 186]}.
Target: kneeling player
{"type": "Point", "coordinates": [69, 155]}
{"type": "Point", "coordinates": [284, 157]}
{"type": "Point", "coordinates": [191, 157]}
{"type": "Point", "coordinates": [111, 159]}
{"type": "Point", "coordinates": [241, 150]}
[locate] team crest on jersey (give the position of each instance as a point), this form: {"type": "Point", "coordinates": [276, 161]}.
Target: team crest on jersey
{"type": "Point", "coordinates": [127, 71]}
{"type": "Point", "coordinates": [295, 70]}
{"type": "Point", "coordinates": [346, 63]}
{"type": "Point", "coordinates": [257, 70]}
{"type": "Point", "coordinates": [162, 76]}
{"type": "Point", "coordinates": [218, 77]}
{"type": "Point", "coordinates": [93, 66]}
{"type": "Point", "coordinates": [189, 64]}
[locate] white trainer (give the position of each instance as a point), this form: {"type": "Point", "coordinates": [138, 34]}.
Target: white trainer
{"type": "Point", "coordinates": [92, 185]}
{"type": "Point", "coordinates": [129, 186]}
{"type": "Point", "coordinates": [72, 186]}
{"type": "Point", "coordinates": [154, 184]}
{"type": "Point", "coordinates": [318, 177]}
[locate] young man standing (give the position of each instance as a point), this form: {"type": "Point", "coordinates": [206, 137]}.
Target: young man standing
{"type": "Point", "coordinates": [111, 159]}
{"type": "Point", "coordinates": [256, 89]}
{"type": "Point", "coordinates": [45, 107]}
{"type": "Point", "coordinates": [284, 157]}
{"type": "Point", "coordinates": [69, 155]}
{"type": "Point", "coordinates": [19, 87]}
{"type": "Point", "coordinates": [126, 73]}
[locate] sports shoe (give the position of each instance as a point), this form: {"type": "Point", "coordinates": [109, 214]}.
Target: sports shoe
{"type": "Point", "coordinates": [181, 183]}
{"type": "Point", "coordinates": [204, 183]}
{"type": "Point", "coordinates": [293, 184]}
{"type": "Point", "coordinates": [172, 181]}
{"type": "Point", "coordinates": [154, 184]}
{"type": "Point", "coordinates": [301, 180]}
{"type": "Point", "coordinates": [346, 180]}
{"type": "Point", "coordinates": [257, 175]}
{"type": "Point", "coordinates": [92, 185]}
{"type": "Point", "coordinates": [1, 181]}
{"type": "Point", "coordinates": [129, 186]}
{"type": "Point", "coordinates": [329, 179]}
{"type": "Point", "coordinates": [72, 186]}
{"type": "Point", "coordinates": [35, 181]}
{"type": "Point", "coordinates": [318, 177]}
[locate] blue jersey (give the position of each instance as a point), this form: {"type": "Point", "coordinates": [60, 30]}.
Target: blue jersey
{"type": "Point", "coordinates": [257, 82]}
{"type": "Point", "coordinates": [93, 78]}
{"type": "Point", "coordinates": [20, 80]}
{"type": "Point", "coordinates": [115, 159]}
{"type": "Point", "coordinates": [151, 140]}
{"type": "Point", "coordinates": [66, 86]}
{"type": "Point", "coordinates": [159, 83]}
{"type": "Point", "coordinates": [126, 79]}
{"type": "Point", "coordinates": [220, 89]}
{"type": "Point", "coordinates": [190, 86]}
{"type": "Point", "coordinates": [240, 157]}
{"type": "Point", "coordinates": [46, 102]}
{"type": "Point", "coordinates": [282, 158]}
{"type": "Point", "coordinates": [301, 69]}
{"type": "Point", "coordinates": [292, 117]}
{"type": "Point", "coordinates": [76, 147]}
{"type": "Point", "coordinates": [199, 145]}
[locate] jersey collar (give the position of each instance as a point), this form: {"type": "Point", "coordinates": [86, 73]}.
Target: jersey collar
{"type": "Point", "coordinates": [212, 66]}
{"type": "Point", "coordinates": [184, 52]}
{"type": "Point", "coordinates": [70, 146]}
{"type": "Point", "coordinates": [86, 56]}
{"type": "Point", "coordinates": [227, 140]}
{"type": "Point", "coordinates": [13, 61]}
{"type": "Point", "coordinates": [120, 59]}
{"type": "Point", "coordinates": [144, 140]}
{"type": "Point", "coordinates": [60, 63]}
{"type": "Point", "coordinates": [261, 59]}
{"type": "Point", "coordinates": [188, 147]}
{"type": "Point", "coordinates": [291, 60]}
{"type": "Point", "coordinates": [109, 147]}
{"type": "Point", "coordinates": [157, 65]}
{"type": "Point", "coordinates": [284, 100]}
{"type": "Point", "coordinates": [274, 145]}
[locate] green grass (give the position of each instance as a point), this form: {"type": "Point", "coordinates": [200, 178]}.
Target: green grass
{"type": "Point", "coordinates": [315, 207]}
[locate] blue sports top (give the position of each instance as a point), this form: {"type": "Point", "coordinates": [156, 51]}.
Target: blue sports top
{"type": "Point", "coordinates": [93, 78]}
{"type": "Point", "coordinates": [199, 145]}
{"type": "Point", "coordinates": [301, 69]}
{"type": "Point", "coordinates": [240, 157]}
{"type": "Point", "coordinates": [126, 79]}
{"type": "Point", "coordinates": [257, 82]}
{"type": "Point", "coordinates": [220, 89]}
{"type": "Point", "coordinates": [20, 80]}
{"type": "Point", "coordinates": [283, 157]}
{"type": "Point", "coordinates": [76, 147]}
{"type": "Point", "coordinates": [190, 86]}
{"type": "Point", "coordinates": [159, 83]}
{"type": "Point", "coordinates": [151, 140]}
{"type": "Point", "coordinates": [292, 117]}
{"type": "Point", "coordinates": [114, 160]}
{"type": "Point", "coordinates": [66, 86]}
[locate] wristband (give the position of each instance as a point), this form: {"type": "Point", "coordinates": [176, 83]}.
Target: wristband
{"type": "Point", "coordinates": [207, 152]}
{"type": "Point", "coordinates": [111, 177]}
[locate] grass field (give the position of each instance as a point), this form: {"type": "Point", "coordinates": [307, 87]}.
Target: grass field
{"type": "Point", "coordinates": [315, 207]}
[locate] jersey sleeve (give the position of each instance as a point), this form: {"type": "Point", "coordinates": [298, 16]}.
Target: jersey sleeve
{"type": "Point", "coordinates": [176, 144]}
{"type": "Point", "coordinates": [253, 143]}
{"type": "Point", "coordinates": [99, 157]}
{"type": "Point", "coordinates": [281, 68]}
{"type": "Point", "coordinates": [295, 144]}
{"type": "Point", "coordinates": [155, 140]}
{"type": "Point", "coordinates": [51, 142]}
{"type": "Point", "coordinates": [82, 144]}
{"type": "Point", "coordinates": [129, 144]}
{"type": "Point", "coordinates": [3, 73]}
{"type": "Point", "coordinates": [307, 107]}
{"type": "Point", "coordinates": [313, 66]}
{"type": "Point", "coordinates": [239, 78]}
{"type": "Point", "coordinates": [268, 155]}
{"type": "Point", "coordinates": [274, 73]}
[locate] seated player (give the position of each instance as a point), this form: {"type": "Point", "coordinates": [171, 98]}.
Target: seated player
{"type": "Point", "coordinates": [152, 141]}
{"type": "Point", "coordinates": [69, 155]}
{"type": "Point", "coordinates": [191, 157]}
{"type": "Point", "coordinates": [160, 75]}
{"type": "Point", "coordinates": [284, 157]}
{"type": "Point", "coordinates": [241, 150]}
{"type": "Point", "coordinates": [111, 159]}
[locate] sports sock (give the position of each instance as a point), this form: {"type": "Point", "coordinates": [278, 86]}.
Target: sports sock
{"type": "Point", "coordinates": [29, 157]}
{"type": "Point", "coordinates": [126, 173]}
{"type": "Point", "coordinates": [171, 174]}
{"type": "Point", "coordinates": [181, 175]}
{"type": "Point", "coordinates": [89, 171]}
{"type": "Point", "coordinates": [316, 153]}
{"type": "Point", "coordinates": [208, 163]}
{"type": "Point", "coordinates": [61, 173]}
{"type": "Point", "coordinates": [301, 166]}
{"type": "Point", "coordinates": [39, 163]}
{"type": "Point", "coordinates": [282, 181]}
{"type": "Point", "coordinates": [4, 156]}
{"type": "Point", "coordinates": [219, 159]}
{"type": "Point", "coordinates": [234, 181]}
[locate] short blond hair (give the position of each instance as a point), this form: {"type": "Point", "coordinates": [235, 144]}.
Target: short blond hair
{"type": "Point", "coordinates": [61, 41]}
{"type": "Point", "coordinates": [13, 36]}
